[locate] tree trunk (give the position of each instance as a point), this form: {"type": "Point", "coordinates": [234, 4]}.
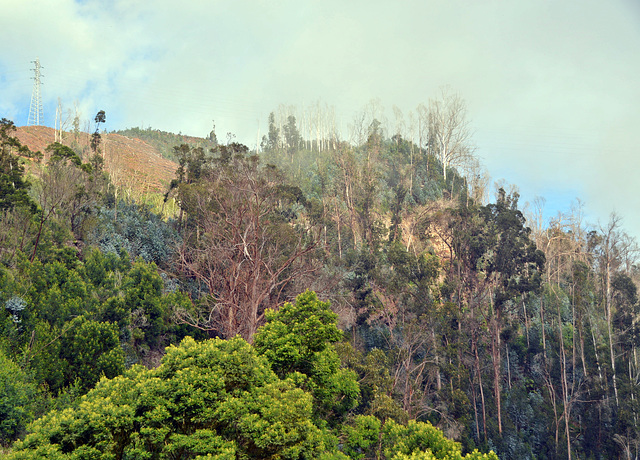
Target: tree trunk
{"type": "Point", "coordinates": [475, 407]}
{"type": "Point", "coordinates": [544, 340]}
{"type": "Point", "coordinates": [437, 359]}
{"type": "Point", "coordinates": [565, 387]}
{"type": "Point", "coordinates": [496, 358]}
{"type": "Point", "coordinates": [595, 351]}
{"type": "Point", "coordinates": [474, 345]}
{"type": "Point", "coordinates": [609, 329]}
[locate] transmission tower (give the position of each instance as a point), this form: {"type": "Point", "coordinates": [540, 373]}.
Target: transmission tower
{"type": "Point", "coordinates": [35, 112]}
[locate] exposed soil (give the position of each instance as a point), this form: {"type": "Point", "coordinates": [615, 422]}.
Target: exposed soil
{"type": "Point", "coordinates": [131, 163]}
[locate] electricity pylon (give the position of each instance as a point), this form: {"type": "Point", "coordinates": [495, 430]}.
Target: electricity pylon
{"type": "Point", "coordinates": [35, 112]}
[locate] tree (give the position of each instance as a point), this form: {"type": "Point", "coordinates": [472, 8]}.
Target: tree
{"type": "Point", "coordinates": [14, 187]}
{"type": "Point", "coordinates": [192, 164]}
{"type": "Point", "coordinates": [16, 205]}
{"type": "Point", "coordinates": [512, 266]}
{"type": "Point", "coordinates": [67, 188]}
{"type": "Point", "coordinates": [419, 440]}
{"type": "Point", "coordinates": [215, 398]}
{"type": "Point", "coordinates": [368, 185]}
{"type": "Point", "coordinates": [368, 438]}
{"type": "Point", "coordinates": [16, 395]}
{"type": "Point", "coordinates": [242, 243]}
{"type": "Point", "coordinates": [143, 298]}
{"type": "Point", "coordinates": [449, 136]}
{"type": "Point", "coordinates": [271, 142]}
{"type": "Point", "coordinates": [221, 399]}
{"type": "Point", "coordinates": [292, 136]}
{"type": "Point", "coordinates": [613, 250]}
{"type": "Point", "coordinates": [91, 350]}
{"type": "Point", "coordinates": [95, 137]}
{"type": "Point", "coordinates": [494, 266]}
{"type": "Point", "coordinates": [76, 320]}
{"type": "Point", "coordinates": [137, 230]}
{"type": "Point", "coordinates": [298, 342]}
{"type": "Point", "coordinates": [212, 135]}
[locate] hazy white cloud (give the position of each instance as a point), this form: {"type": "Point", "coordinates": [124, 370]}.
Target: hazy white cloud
{"type": "Point", "coordinates": [551, 87]}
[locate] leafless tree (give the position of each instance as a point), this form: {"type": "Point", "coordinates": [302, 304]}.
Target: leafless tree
{"type": "Point", "coordinates": [477, 178]}
{"type": "Point", "coordinates": [449, 134]}
{"type": "Point", "coordinates": [64, 189]}
{"type": "Point", "coordinates": [240, 247]}
{"type": "Point", "coordinates": [615, 251]}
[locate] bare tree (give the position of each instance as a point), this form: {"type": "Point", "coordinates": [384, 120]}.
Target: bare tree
{"type": "Point", "coordinates": [358, 128]}
{"type": "Point", "coordinates": [65, 189]}
{"type": "Point", "coordinates": [400, 123]}
{"type": "Point", "coordinates": [477, 178]}
{"type": "Point", "coordinates": [412, 132]}
{"type": "Point", "coordinates": [615, 251]}
{"type": "Point", "coordinates": [449, 135]}
{"type": "Point", "coordinates": [241, 246]}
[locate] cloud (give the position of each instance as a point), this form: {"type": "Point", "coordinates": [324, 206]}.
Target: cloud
{"type": "Point", "coordinates": [551, 87]}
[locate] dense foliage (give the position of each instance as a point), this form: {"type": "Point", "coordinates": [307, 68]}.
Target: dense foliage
{"type": "Point", "coordinates": [455, 323]}
{"type": "Point", "coordinates": [222, 399]}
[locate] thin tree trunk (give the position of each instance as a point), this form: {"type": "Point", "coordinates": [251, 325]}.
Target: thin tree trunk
{"type": "Point", "coordinates": [475, 407]}
{"type": "Point", "coordinates": [506, 346]}
{"type": "Point", "coordinates": [610, 332]}
{"type": "Point", "coordinates": [35, 246]}
{"type": "Point", "coordinates": [582, 358]}
{"type": "Point", "coordinates": [437, 359]}
{"type": "Point", "coordinates": [526, 319]}
{"type": "Point", "coordinates": [339, 220]}
{"type": "Point", "coordinates": [544, 340]}
{"type": "Point", "coordinates": [595, 351]}
{"type": "Point", "coordinates": [479, 373]}
{"type": "Point", "coordinates": [496, 357]}
{"type": "Point", "coordinates": [565, 387]}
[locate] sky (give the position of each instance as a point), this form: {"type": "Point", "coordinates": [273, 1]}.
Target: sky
{"type": "Point", "coordinates": [552, 88]}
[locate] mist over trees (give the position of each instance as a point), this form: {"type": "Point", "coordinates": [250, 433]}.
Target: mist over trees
{"type": "Point", "coordinates": [334, 295]}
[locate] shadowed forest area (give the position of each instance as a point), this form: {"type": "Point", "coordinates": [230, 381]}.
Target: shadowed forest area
{"type": "Point", "coordinates": [315, 298]}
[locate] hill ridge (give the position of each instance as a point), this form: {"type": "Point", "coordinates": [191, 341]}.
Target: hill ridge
{"type": "Point", "coordinates": [132, 163]}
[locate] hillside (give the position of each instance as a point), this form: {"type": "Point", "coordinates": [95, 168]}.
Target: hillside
{"type": "Point", "coordinates": [132, 163]}
{"type": "Point", "coordinates": [509, 335]}
{"type": "Point", "coordinates": [164, 142]}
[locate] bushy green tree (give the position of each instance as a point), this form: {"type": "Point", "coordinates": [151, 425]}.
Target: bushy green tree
{"type": "Point", "coordinates": [298, 341]}
{"type": "Point", "coordinates": [91, 350]}
{"type": "Point", "coordinates": [143, 295]}
{"type": "Point", "coordinates": [377, 385]}
{"type": "Point", "coordinates": [361, 438]}
{"type": "Point", "coordinates": [60, 319]}
{"type": "Point", "coordinates": [17, 393]}
{"type": "Point", "coordinates": [215, 398]}
{"type": "Point", "coordinates": [418, 440]}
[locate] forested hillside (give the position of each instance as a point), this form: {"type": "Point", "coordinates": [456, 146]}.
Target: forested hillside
{"type": "Point", "coordinates": [318, 298]}
{"type": "Point", "coordinates": [165, 142]}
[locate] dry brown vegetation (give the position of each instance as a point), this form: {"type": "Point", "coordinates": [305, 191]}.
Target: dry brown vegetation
{"type": "Point", "coordinates": [132, 163]}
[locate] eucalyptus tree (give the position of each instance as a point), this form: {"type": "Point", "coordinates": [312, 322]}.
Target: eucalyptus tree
{"type": "Point", "coordinates": [14, 186]}
{"type": "Point", "coordinates": [242, 242]}
{"type": "Point", "coordinates": [494, 265]}
{"type": "Point", "coordinates": [16, 205]}
{"type": "Point", "coordinates": [449, 136]}
{"type": "Point", "coordinates": [68, 189]}
{"type": "Point", "coordinates": [615, 252]}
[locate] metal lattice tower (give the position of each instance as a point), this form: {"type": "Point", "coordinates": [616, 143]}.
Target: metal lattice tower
{"type": "Point", "coordinates": [35, 112]}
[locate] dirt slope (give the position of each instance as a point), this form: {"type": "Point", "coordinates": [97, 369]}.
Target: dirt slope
{"type": "Point", "coordinates": [131, 163]}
